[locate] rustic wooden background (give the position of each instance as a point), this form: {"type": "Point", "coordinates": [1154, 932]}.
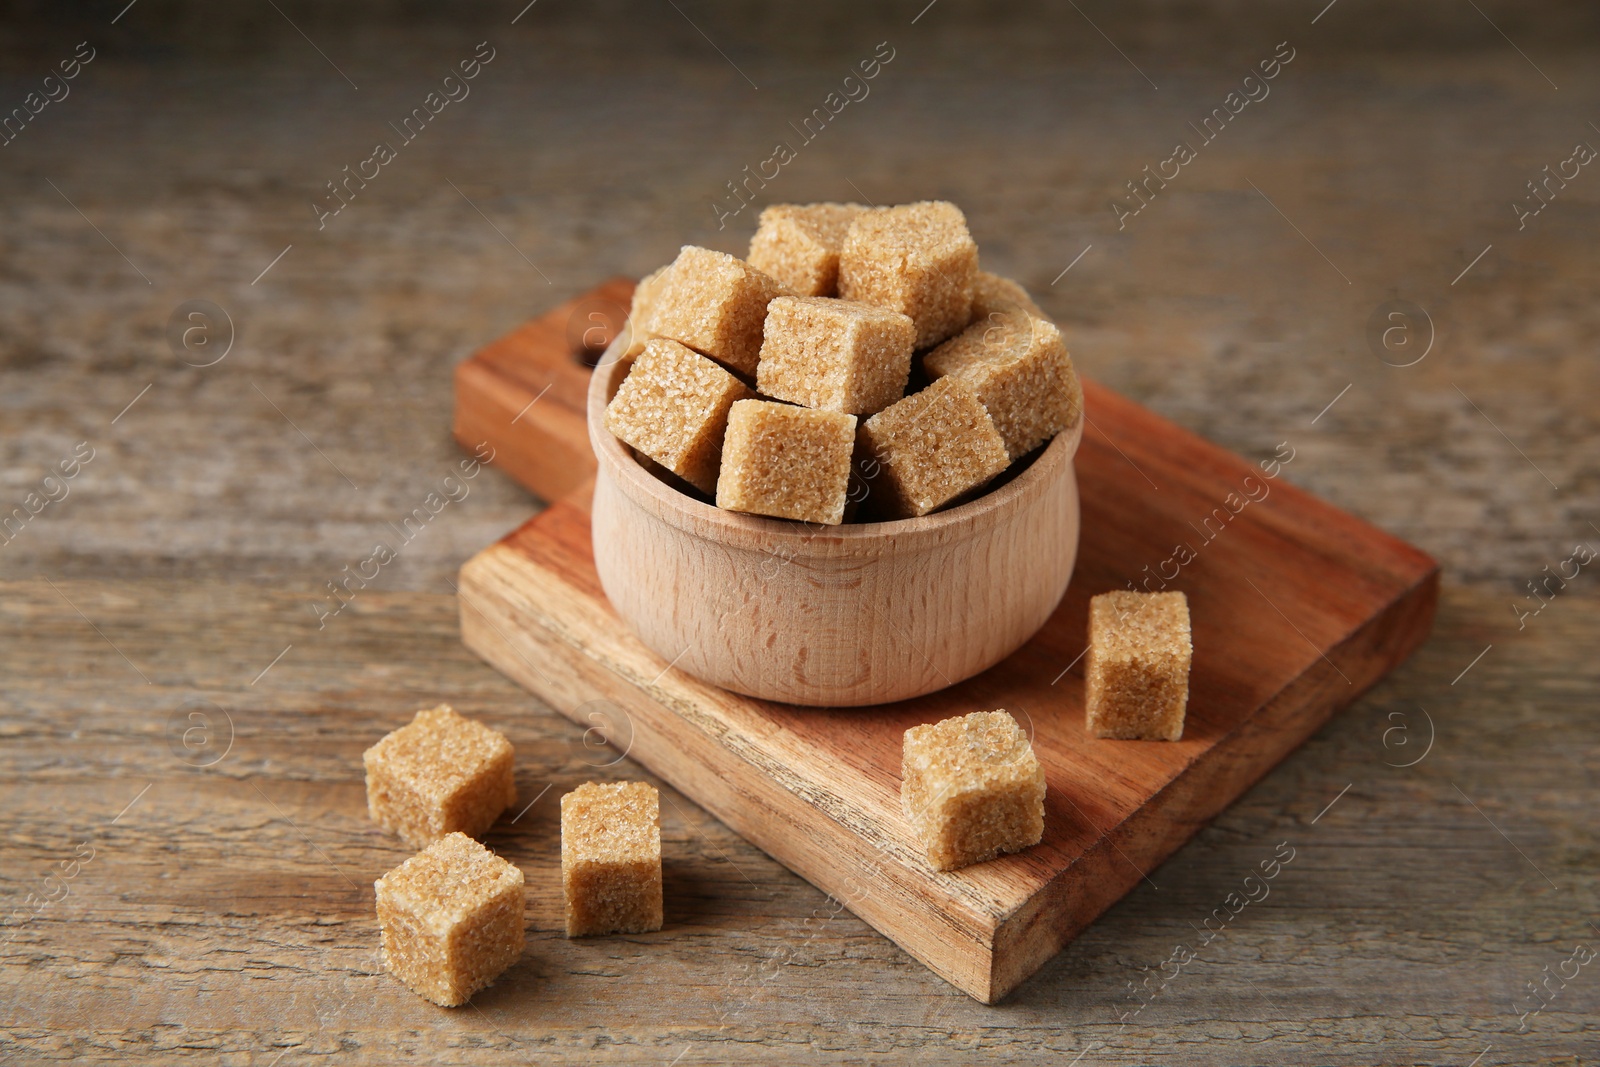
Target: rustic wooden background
{"type": "Point", "coordinates": [182, 741]}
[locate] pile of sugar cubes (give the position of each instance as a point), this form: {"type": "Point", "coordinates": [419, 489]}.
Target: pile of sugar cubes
{"type": "Point", "coordinates": [451, 917]}
{"type": "Point", "coordinates": [858, 357]}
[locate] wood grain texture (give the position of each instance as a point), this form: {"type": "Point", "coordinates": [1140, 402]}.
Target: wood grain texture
{"type": "Point", "coordinates": [596, 142]}
{"type": "Point", "coordinates": [214, 920]}
{"type": "Point", "coordinates": [1297, 608]}
{"type": "Point", "coordinates": [540, 363]}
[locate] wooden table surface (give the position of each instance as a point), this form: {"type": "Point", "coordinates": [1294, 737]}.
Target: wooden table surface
{"type": "Point", "coordinates": [183, 722]}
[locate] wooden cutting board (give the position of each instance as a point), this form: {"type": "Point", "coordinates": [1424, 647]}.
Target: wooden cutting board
{"type": "Point", "coordinates": [1297, 608]}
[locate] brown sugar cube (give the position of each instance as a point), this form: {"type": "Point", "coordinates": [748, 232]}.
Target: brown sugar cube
{"type": "Point", "coordinates": [643, 306]}
{"type": "Point", "coordinates": [798, 244]}
{"type": "Point", "coordinates": [924, 451]}
{"type": "Point", "coordinates": [834, 354]}
{"type": "Point", "coordinates": [786, 461]}
{"type": "Point", "coordinates": [917, 259]}
{"type": "Point", "coordinates": [642, 309]}
{"type": "Point", "coordinates": [1018, 365]}
{"type": "Point", "coordinates": [451, 919]}
{"type": "Point", "coordinates": [715, 304]}
{"type": "Point", "coordinates": [972, 788]}
{"type": "Point", "coordinates": [611, 858]}
{"type": "Point", "coordinates": [992, 293]}
{"type": "Point", "coordinates": [437, 775]}
{"type": "Point", "coordinates": [673, 407]}
{"type": "Point", "coordinates": [1136, 678]}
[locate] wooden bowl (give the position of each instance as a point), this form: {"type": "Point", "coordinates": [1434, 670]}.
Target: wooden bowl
{"type": "Point", "coordinates": [833, 616]}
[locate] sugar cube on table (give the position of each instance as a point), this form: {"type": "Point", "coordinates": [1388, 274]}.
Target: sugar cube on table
{"type": "Point", "coordinates": [787, 462]}
{"type": "Point", "coordinates": [972, 788]}
{"type": "Point", "coordinates": [921, 452]}
{"type": "Point", "coordinates": [715, 304]}
{"type": "Point", "coordinates": [439, 774]}
{"type": "Point", "coordinates": [834, 354]}
{"type": "Point", "coordinates": [991, 294]}
{"type": "Point", "coordinates": [917, 259]}
{"type": "Point", "coordinates": [1017, 364]}
{"type": "Point", "coordinates": [451, 919]}
{"type": "Point", "coordinates": [1136, 676]}
{"type": "Point", "coordinates": [611, 858]}
{"type": "Point", "coordinates": [798, 244]}
{"type": "Point", "coordinates": [673, 407]}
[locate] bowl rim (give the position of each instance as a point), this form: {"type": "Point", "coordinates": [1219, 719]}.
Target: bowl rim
{"type": "Point", "coordinates": [737, 529]}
